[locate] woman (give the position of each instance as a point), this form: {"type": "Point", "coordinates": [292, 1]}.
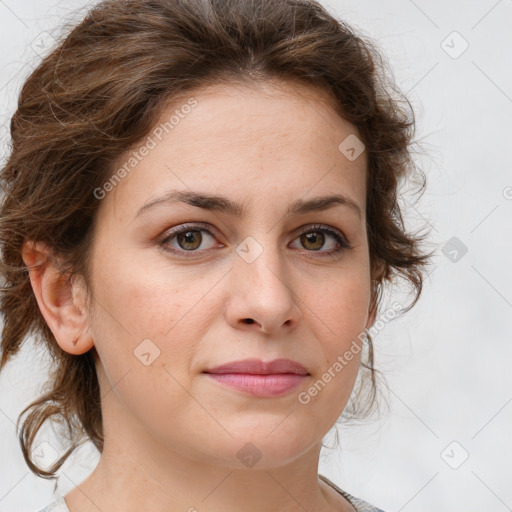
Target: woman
{"type": "Point", "coordinates": [200, 215]}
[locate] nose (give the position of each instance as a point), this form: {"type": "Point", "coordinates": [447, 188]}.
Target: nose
{"type": "Point", "coordinates": [261, 296]}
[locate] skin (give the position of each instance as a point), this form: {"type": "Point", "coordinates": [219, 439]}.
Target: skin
{"type": "Point", "coordinates": [172, 433]}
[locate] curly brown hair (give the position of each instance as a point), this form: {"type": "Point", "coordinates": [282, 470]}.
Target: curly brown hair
{"type": "Point", "coordinates": [101, 91]}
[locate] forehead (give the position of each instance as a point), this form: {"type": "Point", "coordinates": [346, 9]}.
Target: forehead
{"type": "Point", "coordinates": [245, 137]}
{"type": "Point", "coordinates": [253, 106]}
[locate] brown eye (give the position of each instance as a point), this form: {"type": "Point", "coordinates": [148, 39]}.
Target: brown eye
{"type": "Point", "coordinates": [312, 240]}
{"type": "Point", "coordinates": [323, 240]}
{"type": "Point", "coordinates": [189, 240]}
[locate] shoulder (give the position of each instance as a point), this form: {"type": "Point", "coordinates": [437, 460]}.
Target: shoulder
{"type": "Point", "coordinates": [58, 505]}
{"type": "Point", "coordinates": [359, 504]}
{"type": "Point", "coordinates": [363, 506]}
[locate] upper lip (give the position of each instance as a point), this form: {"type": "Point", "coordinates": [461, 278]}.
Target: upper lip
{"type": "Point", "coordinates": [259, 367]}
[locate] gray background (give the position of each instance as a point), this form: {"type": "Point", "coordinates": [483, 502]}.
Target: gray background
{"type": "Point", "coordinates": [447, 362]}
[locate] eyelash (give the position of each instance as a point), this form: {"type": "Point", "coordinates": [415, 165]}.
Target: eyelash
{"type": "Point", "coordinates": [343, 244]}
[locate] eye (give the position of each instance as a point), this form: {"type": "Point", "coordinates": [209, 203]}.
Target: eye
{"type": "Point", "coordinates": [188, 238]}
{"type": "Point", "coordinates": [195, 238]}
{"type": "Point", "coordinates": [318, 236]}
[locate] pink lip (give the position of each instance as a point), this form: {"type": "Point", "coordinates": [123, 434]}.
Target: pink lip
{"type": "Point", "coordinates": [258, 367]}
{"type": "Point", "coordinates": [258, 378]}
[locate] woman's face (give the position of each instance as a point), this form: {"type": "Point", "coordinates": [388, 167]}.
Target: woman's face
{"type": "Point", "coordinates": [261, 279]}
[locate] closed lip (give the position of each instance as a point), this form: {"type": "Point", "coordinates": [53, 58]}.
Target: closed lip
{"type": "Point", "coordinates": [259, 367]}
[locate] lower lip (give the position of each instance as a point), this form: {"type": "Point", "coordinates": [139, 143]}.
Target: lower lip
{"type": "Point", "coordinates": [260, 385]}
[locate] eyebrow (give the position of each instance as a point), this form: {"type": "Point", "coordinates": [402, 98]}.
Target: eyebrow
{"type": "Point", "coordinates": [225, 205]}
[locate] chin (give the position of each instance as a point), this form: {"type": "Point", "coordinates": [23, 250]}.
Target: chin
{"type": "Point", "coordinates": [262, 448]}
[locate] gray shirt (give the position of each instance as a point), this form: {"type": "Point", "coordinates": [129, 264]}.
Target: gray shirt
{"type": "Point", "coordinates": [59, 505]}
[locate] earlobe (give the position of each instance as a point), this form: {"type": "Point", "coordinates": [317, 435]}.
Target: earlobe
{"type": "Point", "coordinates": [56, 299]}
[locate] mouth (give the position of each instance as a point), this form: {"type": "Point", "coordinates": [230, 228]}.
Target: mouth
{"type": "Point", "coordinates": [258, 378]}
{"type": "Point", "coordinates": [259, 367]}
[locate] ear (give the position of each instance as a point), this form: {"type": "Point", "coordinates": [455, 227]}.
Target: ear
{"type": "Point", "coordinates": [60, 303]}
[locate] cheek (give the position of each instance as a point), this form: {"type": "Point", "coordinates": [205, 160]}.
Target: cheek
{"type": "Point", "coordinates": [144, 349]}
{"type": "Point", "coordinates": [342, 305]}
{"type": "Point", "coordinates": [145, 300]}
{"type": "Point", "coordinates": [147, 326]}
{"type": "Point", "coordinates": [339, 312]}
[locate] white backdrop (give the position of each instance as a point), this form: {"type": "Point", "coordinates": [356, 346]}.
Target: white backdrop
{"type": "Point", "coordinates": [444, 445]}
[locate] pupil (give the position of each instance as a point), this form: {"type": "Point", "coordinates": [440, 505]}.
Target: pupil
{"type": "Point", "coordinates": [315, 238]}
{"type": "Point", "coordinates": [188, 239]}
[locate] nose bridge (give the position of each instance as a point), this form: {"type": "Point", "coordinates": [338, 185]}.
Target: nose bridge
{"type": "Point", "coordinates": [262, 285]}
{"type": "Point", "coordinates": [262, 260]}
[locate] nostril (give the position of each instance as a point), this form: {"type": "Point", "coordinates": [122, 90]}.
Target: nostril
{"type": "Point", "coordinates": [249, 321]}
